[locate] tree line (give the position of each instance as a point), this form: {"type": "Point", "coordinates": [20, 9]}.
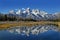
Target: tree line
{"type": "Point", "coordinates": [5, 17]}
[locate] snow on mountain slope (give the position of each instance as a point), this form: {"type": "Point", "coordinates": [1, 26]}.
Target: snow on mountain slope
{"type": "Point", "coordinates": [35, 14]}
{"type": "Point", "coordinates": [18, 12]}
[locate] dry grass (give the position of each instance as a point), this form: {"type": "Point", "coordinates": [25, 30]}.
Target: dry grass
{"type": "Point", "coordinates": [30, 23]}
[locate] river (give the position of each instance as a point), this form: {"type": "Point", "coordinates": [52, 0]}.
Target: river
{"type": "Point", "coordinates": [37, 32]}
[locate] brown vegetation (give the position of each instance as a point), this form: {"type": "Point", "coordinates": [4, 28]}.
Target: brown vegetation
{"type": "Point", "coordinates": [26, 23]}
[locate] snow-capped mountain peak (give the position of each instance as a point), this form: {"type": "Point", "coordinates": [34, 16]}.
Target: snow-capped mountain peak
{"type": "Point", "coordinates": [35, 11]}
{"type": "Point", "coordinates": [18, 12]}
{"type": "Point", "coordinates": [35, 14]}
{"type": "Point", "coordinates": [42, 13]}
{"type": "Point", "coordinates": [28, 10]}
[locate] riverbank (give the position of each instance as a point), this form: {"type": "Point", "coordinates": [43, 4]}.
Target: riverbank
{"type": "Point", "coordinates": [8, 24]}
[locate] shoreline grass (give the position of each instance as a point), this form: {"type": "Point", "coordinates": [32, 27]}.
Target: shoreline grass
{"type": "Point", "coordinates": [9, 24]}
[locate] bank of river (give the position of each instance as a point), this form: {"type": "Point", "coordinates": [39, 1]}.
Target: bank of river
{"type": "Point", "coordinates": [4, 25]}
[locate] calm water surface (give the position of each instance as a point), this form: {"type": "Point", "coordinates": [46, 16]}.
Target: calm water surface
{"type": "Point", "coordinates": [45, 32]}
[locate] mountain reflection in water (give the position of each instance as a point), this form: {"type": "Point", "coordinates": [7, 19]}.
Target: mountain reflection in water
{"type": "Point", "coordinates": [38, 32]}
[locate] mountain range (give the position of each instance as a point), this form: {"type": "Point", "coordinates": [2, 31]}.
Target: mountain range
{"type": "Point", "coordinates": [34, 14]}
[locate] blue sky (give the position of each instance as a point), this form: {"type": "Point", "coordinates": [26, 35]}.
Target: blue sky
{"type": "Point", "coordinates": [50, 6]}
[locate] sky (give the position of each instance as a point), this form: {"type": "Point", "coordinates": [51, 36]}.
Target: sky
{"type": "Point", "coordinates": [50, 6]}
